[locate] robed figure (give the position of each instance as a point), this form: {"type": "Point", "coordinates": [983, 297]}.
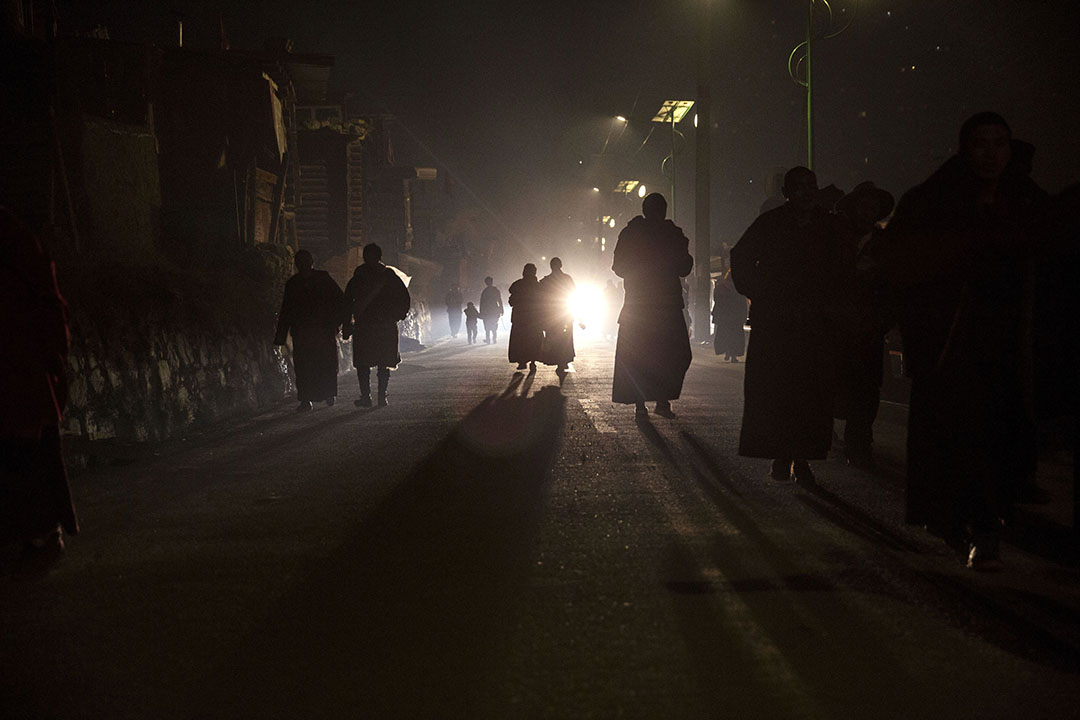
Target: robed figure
{"type": "Point", "coordinates": [454, 301]}
{"type": "Point", "coordinates": [652, 352]}
{"type": "Point", "coordinates": [311, 313]}
{"type": "Point", "coordinates": [787, 264]}
{"type": "Point", "coordinates": [35, 500]}
{"type": "Point", "coordinates": [729, 318]}
{"type": "Point", "coordinates": [558, 320]}
{"type": "Point", "coordinates": [526, 328]}
{"type": "Point", "coordinates": [959, 256]}
{"type": "Point", "coordinates": [375, 301]}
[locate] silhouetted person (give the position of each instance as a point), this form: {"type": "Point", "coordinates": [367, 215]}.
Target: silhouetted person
{"type": "Point", "coordinates": [558, 320]}
{"type": "Point", "coordinates": [311, 312]}
{"type": "Point", "coordinates": [960, 248]}
{"type": "Point", "coordinates": [652, 353]}
{"type": "Point", "coordinates": [526, 330]}
{"type": "Point", "coordinates": [860, 322]}
{"type": "Point", "coordinates": [35, 501]}
{"type": "Point", "coordinates": [491, 309]}
{"type": "Point", "coordinates": [471, 316]}
{"type": "Point", "coordinates": [786, 263]}
{"type": "Point", "coordinates": [729, 316]}
{"type": "Point", "coordinates": [375, 301]}
{"type": "Point", "coordinates": [453, 309]}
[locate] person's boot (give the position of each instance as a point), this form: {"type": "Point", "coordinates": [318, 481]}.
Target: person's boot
{"type": "Point", "coordinates": [780, 470]}
{"type": "Point", "coordinates": [663, 409]}
{"type": "Point", "coordinates": [364, 374]}
{"type": "Point", "coordinates": [384, 380]}
{"type": "Point", "coordinates": [803, 474]}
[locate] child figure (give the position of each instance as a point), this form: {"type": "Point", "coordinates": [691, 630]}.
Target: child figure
{"type": "Point", "coordinates": [471, 316]}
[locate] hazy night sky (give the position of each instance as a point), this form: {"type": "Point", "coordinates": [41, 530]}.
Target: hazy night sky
{"type": "Point", "coordinates": [511, 96]}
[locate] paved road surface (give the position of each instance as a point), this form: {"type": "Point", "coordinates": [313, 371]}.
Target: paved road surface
{"type": "Point", "coordinates": [494, 546]}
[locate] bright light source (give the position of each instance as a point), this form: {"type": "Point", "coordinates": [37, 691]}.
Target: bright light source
{"type": "Point", "coordinates": [543, 257]}
{"type": "Point", "coordinates": [579, 239]}
{"type": "Point", "coordinates": [620, 118]}
{"type": "Point", "coordinates": [641, 191]}
{"type": "Point", "coordinates": [626, 186]}
{"type": "Point", "coordinates": [596, 189]}
{"type": "Point", "coordinates": [673, 111]}
{"type": "Point", "coordinates": [611, 222]}
{"type": "Point", "coordinates": [587, 305]}
{"type": "Point", "coordinates": [695, 119]}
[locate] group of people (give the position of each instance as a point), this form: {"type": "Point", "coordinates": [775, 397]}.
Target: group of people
{"type": "Point", "coordinates": [977, 267]}
{"type": "Point", "coordinates": [490, 311]}
{"type": "Point", "coordinates": [314, 308]}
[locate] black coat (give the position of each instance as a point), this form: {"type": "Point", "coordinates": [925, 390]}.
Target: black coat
{"type": "Point", "coordinates": [556, 318]}
{"type": "Point", "coordinates": [652, 352]}
{"type": "Point", "coordinates": [526, 331]}
{"type": "Point", "coordinates": [789, 271]}
{"type": "Point", "coordinates": [375, 301]}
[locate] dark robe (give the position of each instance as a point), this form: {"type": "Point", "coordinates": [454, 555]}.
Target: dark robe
{"type": "Point", "coordinates": [311, 312]}
{"type": "Point", "coordinates": [453, 310]}
{"type": "Point", "coordinates": [729, 317]}
{"type": "Point", "coordinates": [962, 276]}
{"type": "Point", "coordinates": [557, 320]}
{"type": "Point", "coordinates": [526, 331]}
{"type": "Point", "coordinates": [34, 492]}
{"type": "Point", "coordinates": [788, 271]}
{"type": "Point", "coordinates": [652, 353]}
{"type": "Point", "coordinates": [375, 301]}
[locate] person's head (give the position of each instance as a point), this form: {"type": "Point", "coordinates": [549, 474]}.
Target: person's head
{"type": "Point", "coordinates": [654, 206]}
{"type": "Point", "coordinates": [488, 281]}
{"type": "Point", "coordinates": [986, 145]}
{"type": "Point", "coordinates": [469, 304]}
{"type": "Point", "coordinates": [556, 264]}
{"type": "Point", "coordinates": [529, 271]}
{"type": "Point", "coordinates": [866, 205]}
{"type": "Point", "coordinates": [372, 253]}
{"type": "Point", "coordinates": [800, 187]}
{"type": "Point", "coordinates": [303, 260]}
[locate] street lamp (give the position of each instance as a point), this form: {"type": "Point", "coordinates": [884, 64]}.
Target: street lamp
{"type": "Point", "coordinates": [672, 111]}
{"type": "Point", "coordinates": [796, 60]}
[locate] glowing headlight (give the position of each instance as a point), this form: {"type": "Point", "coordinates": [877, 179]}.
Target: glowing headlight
{"type": "Point", "coordinates": [587, 305]}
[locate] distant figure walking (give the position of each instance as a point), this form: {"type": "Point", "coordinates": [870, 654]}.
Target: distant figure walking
{"type": "Point", "coordinates": [471, 316]}
{"type": "Point", "coordinates": [453, 309]}
{"type": "Point", "coordinates": [311, 312]}
{"type": "Point", "coordinates": [786, 264]}
{"type": "Point", "coordinates": [491, 309]}
{"type": "Point", "coordinates": [960, 246]}
{"type": "Point", "coordinates": [375, 301]}
{"type": "Point", "coordinates": [558, 320]}
{"type": "Point", "coordinates": [35, 500]}
{"type": "Point", "coordinates": [526, 331]}
{"type": "Point", "coordinates": [652, 353]}
{"type": "Point", "coordinates": [729, 317]}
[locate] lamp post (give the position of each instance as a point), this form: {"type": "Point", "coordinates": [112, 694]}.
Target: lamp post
{"type": "Point", "coordinates": [672, 111]}
{"type": "Point", "coordinates": [795, 60]}
{"type": "Point", "coordinates": [702, 294]}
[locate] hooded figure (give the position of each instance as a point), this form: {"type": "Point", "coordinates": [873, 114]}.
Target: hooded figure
{"type": "Point", "coordinates": [652, 353]}
{"type": "Point", "coordinates": [375, 301]}
{"type": "Point", "coordinates": [526, 331]}
{"type": "Point", "coordinates": [311, 312]}
{"type": "Point", "coordinates": [957, 254]}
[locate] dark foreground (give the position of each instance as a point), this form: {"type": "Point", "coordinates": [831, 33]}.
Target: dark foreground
{"type": "Point", "coordinates": [493, 546]}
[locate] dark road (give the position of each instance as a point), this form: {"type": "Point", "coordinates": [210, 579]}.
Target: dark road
{"type": "Point", "coordinates": [493, 545]}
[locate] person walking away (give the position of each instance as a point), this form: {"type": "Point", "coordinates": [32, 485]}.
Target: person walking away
{"type": "Point", "coordinates": [787, 264]}
{"type": "Point", "coordinates": [860, 322]}
{"type": "Point", "coordinates": [729, 316]}
{"type": "Point", "coordinates": [375, 301]}
{"type": "Point", "coordinates": [471, 316]}
{"type": "Point", "coordinates": [491, 309]}
{"type": "Point", "coordinates": [453, 309]}
{"type": "Point", "coordinates": [311, 313]}
{"type": "Point", "coordinates": [35, 499]}
{"type": "Point", "coordinates": [526, 333]}
{"type": "Point", "coordinates": [652, 352]}
{"type": "Point", "coordinates": [961, 245]}
{"type": "Point", "coordinates": [558, 320]}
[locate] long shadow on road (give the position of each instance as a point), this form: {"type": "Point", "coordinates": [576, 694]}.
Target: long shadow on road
{"type": "Point", "coordinates": [408, 618]}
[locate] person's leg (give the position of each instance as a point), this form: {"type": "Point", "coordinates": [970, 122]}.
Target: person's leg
{"type": "Point", "coordinates": [781, 469]}
{"type": "Point", "coordinates": [364, 375]}
{"type": "Point", "coordinates": [384, 380]}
